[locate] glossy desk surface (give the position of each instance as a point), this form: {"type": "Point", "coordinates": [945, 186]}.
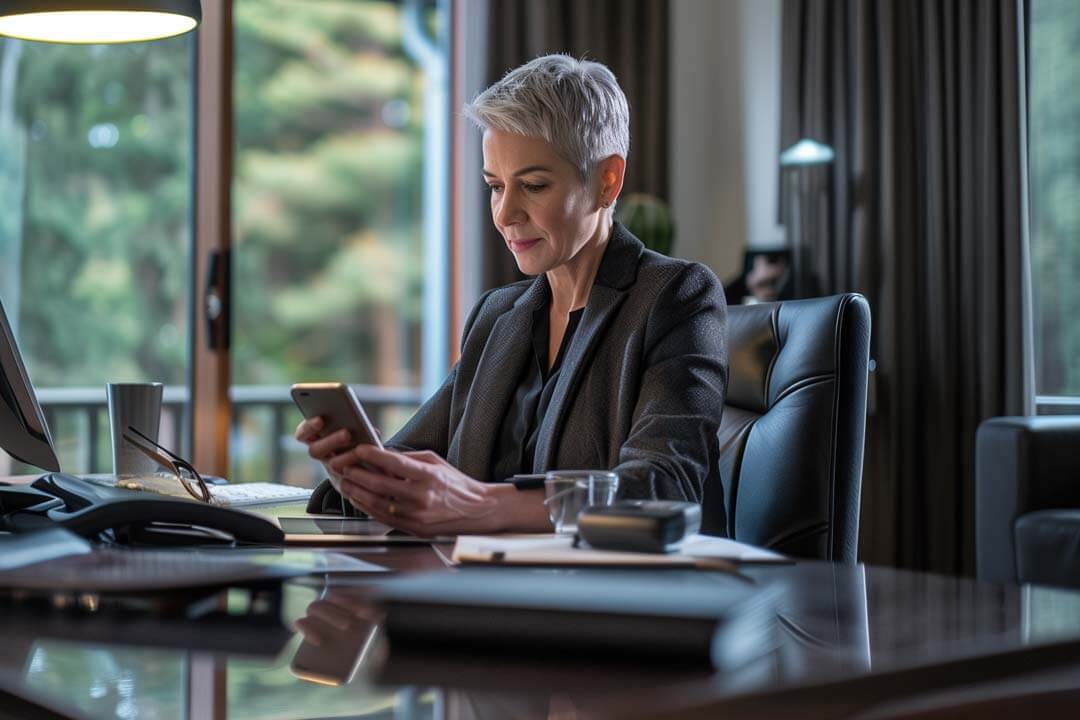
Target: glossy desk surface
{"type": "Point", "coordinates": [849, 639]}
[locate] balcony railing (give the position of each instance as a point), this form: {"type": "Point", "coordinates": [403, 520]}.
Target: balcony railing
{"type": "Point", "coordinates": [264, 417]}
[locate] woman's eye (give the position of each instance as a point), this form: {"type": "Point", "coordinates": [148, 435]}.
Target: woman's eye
{"type": "Point", "coordinates": [495, 188]}
{"type": "Point", "coordinates": [529, 187]}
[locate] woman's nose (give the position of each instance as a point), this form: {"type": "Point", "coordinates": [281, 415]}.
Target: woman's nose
{"type": "Point", "coordinates": [508, 209]}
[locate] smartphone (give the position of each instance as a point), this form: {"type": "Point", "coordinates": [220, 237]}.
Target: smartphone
{"type": "Point", "coordinates": [335, 661]}
{"type": "Point", "coordinates": [339, 407]}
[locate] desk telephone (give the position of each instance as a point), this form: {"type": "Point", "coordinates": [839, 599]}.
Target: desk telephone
{"type": "Point", "coordinates": [128, 517]}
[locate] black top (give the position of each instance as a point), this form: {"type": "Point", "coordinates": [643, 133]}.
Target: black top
{"type": "Point", "coordinates": [518, 433]}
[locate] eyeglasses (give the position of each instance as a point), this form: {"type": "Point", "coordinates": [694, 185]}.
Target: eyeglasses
{"type": "Point", "coordinates": [184, 471]}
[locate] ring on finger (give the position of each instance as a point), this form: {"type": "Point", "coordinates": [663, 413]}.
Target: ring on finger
{"type": "Point", "coordinates": [392, 509]}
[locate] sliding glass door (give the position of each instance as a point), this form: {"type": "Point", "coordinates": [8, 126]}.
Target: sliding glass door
{"type": "Point", "coordinates": [95, 229]}
{"type": "Point", "coordinates": [95, 237]}
{"type": "Point", "coordinates": [337, 182]}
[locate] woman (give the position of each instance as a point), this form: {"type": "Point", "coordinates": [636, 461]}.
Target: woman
{"type": "Point", "coordinates": [613, 357]}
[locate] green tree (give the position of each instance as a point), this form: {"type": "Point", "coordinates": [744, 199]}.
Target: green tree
{"type": "Point", "coordinates": [103, 202]}
{"type": "Point", "coordinates": [328, 122]}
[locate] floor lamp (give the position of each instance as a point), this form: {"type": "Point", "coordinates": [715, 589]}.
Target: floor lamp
{"type": "Point", "coordinates": [794, 162]}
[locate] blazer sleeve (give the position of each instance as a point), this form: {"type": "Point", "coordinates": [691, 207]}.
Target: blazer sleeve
{"type": "Point", "coordinates": [672, 447]}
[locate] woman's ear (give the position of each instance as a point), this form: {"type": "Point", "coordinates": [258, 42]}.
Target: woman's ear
{"type": "Point", "coordinates": [611, 172]}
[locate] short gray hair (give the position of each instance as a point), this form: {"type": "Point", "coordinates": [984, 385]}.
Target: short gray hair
{"type": "Point", "coordinates": [575, 105]}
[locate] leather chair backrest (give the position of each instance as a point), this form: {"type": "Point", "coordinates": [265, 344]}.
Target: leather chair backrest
{"type": "Point", "coordinates": [791, 437]}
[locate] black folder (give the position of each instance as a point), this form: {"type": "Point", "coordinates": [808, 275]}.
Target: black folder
{"type": "Point", "coordinates": [683, 618]}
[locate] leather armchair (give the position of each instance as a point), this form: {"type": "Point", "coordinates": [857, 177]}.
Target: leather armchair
{"type": "Point", "coordinates": [1027, 500]}
{"type": "Point", "coordinates": [791, 436]}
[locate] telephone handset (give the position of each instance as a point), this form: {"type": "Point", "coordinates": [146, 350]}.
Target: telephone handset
{"type": "Point", "coordinates": [91, 509]}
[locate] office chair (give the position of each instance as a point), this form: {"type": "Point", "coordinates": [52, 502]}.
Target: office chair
{"type": "Point", "coordinates": [791, 437]}
{"type": "Point", "coordinates": [1027, 500]}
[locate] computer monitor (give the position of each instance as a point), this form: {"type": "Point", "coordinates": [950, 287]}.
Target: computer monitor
{"type": "Point", "coordinates": [24, 434]}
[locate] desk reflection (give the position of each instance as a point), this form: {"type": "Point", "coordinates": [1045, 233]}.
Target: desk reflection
{"type": "Point", "coordinates": [340, 631]}
{"type": "Point", "coordinates": [844, 634]}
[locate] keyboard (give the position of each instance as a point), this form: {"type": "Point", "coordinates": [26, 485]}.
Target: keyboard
{"type": "Point", "coordinates": [226, 495]}
{"type": "Point", "coordinates": [257, 493]}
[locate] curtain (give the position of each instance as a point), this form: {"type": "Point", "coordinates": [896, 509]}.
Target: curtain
{"type": "Point", "coordinates": [631, 38]}
{"type": "Point", "coordinates": [921, 212]}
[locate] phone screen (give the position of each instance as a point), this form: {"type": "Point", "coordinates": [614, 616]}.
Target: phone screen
{"type": "Point", "coordinates": [361, 527]}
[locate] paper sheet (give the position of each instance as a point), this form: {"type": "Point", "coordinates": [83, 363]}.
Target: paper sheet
{"type": "Point", "coordinates": [696, 551]}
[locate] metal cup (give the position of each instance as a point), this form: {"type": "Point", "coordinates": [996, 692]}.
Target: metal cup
{"type": "Point", "coordinates": [137, 405]}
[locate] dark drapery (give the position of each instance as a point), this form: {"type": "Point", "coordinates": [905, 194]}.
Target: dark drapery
{"type": "Point", "coordinates": [631, 38]}
{"type": "Point", "coordinates": [921, 101]}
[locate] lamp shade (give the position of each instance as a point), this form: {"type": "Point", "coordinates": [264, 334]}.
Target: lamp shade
{"type": "Point", "coordinates": [88, 22]}
{"type": "Point", "coordinates": [807, 152]}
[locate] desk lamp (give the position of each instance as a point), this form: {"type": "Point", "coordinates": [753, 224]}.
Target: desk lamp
{"type": "Point", "coordinates": [795, 160]}
{"type": "Point", "coordinates": [87, 22]}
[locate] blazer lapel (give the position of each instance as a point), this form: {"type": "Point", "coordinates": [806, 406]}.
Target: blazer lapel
{"type": "Point", "coordinates": [603, 302]}
{"type": "Point", "coordinates": [503, 358]}
{"type": "Point", "coordinates": [616, 273]}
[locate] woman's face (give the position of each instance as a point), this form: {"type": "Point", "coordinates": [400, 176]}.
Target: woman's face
{"type": "Point", "coordinates": [539, 203]}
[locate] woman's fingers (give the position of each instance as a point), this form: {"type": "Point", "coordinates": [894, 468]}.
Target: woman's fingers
{"type": "Point", "coordinates": [330, 614]}
{"type": "Point", "coordinates": [327, 447]}
{"type": "Point", "coordinates": [388, 487]}
{"type": "Point", "coordinates": [393, 463]}
{"type": "Point", "coordinates": [309, 429]}
{"type": "Point", "coordinates": [374, 505]}
{"type": "Point", "coordinates": [426, 456]}
{"type": "Point", "coordinates": [341, 462]}
{"type": "Point", "coordinates": [313, 631]}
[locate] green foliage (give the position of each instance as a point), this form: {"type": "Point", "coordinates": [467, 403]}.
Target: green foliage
{"type": "Point", "coordinates": [104, 236]}
{"type": "Point", "coordinates": [649, 218]}
{"type": "Point", "coordinates": [95, 241]}
{"type": "Point", "coordinates": [327, 214]}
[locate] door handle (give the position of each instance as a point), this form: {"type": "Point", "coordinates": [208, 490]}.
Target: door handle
{"type": "Point", "coordinates": [217, 300]}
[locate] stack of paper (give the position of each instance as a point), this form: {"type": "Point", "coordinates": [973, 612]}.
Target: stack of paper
{"type": "Point", "coordinates": [700, 551]}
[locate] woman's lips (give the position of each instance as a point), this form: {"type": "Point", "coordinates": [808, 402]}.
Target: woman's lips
{"type": "Point", "coordinates": [523, 245]}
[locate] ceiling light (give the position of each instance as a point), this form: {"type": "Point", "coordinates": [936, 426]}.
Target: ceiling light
{"type": "Point", "coordinates": [97, 21]}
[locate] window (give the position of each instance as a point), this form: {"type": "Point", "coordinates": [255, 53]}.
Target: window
{"type": "Point", "coordinates": [1054, 162]}
{"type": "Point", "coordinates": [339, 250]}
{"type": "Point", "coordinates": [95, 231]}
{"type": "Point", "coordinates": [122, 683]}
{"type": "Point", "coordinates": [334, 104]}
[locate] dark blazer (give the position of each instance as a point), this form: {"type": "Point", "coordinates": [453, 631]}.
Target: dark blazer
{"type": "Point", "coordinates": [641, 388]}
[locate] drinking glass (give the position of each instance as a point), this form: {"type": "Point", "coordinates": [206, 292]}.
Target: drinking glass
{"type": "Point", "coordinates": [567, 492]}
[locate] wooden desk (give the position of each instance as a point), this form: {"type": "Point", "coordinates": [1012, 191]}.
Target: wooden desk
{"type": "Point", "coordinates": [850, 640]}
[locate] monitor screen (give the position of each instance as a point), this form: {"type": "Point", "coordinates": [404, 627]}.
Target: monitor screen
{"type": "Point", "coordinates": [24, 434]}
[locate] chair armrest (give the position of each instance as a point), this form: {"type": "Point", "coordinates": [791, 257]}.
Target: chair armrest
{"type": "Point", "coordinates": [1022, 464]}
{"type": "Point", "coordinates": [1048, 548]}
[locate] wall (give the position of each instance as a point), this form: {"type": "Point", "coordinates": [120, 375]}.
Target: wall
{"type": "Point", "coordinates": [725, 128]}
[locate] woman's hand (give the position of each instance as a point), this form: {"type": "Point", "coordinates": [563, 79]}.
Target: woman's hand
{"type": "Point", "coordinates": [418, 492]}
{"type": "Point", "coordinates": [324, 449]}
{"type": "Point", "coordinates": [336, 614]}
